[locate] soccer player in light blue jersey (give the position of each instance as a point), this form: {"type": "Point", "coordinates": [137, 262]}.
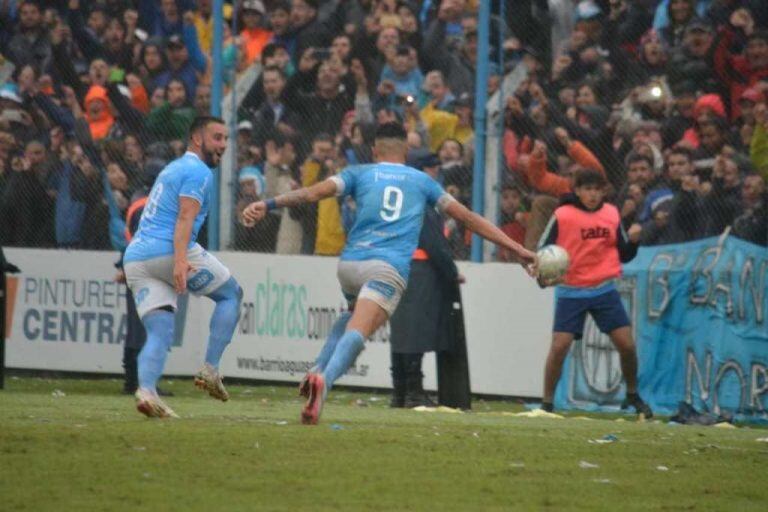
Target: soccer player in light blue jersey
{"type": "Point", "coordinates": [164, 260]}
{"type": "Point", "coordinates": [374, 265]}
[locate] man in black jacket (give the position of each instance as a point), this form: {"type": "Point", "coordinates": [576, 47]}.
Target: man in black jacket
{"type": "Point", "coordinates": [421, 322]}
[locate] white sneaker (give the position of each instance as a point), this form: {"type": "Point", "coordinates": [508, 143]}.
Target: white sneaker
{"type": "Point", "coordinates": [208, 379]}
{"type": "Point", "coordinates": [150, 405]}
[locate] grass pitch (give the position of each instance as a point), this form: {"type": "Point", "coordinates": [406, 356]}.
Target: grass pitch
{"type": "Point", "coordinates": [77, 445]}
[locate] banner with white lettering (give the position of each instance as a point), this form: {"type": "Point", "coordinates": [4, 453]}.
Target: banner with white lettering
{"type": "Point", "coordinates": [699, 317]}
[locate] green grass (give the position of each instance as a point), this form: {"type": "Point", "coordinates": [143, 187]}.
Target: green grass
{"type": "Point", "coordinates": [89, 450]}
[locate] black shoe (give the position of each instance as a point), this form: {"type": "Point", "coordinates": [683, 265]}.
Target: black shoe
{"type": "Point", "coordinates": [397, 401]}
{"type": "Point", "coordinates": [415, 396]}
{"type": "Point", "coordinates": [634, 400]}
{"type": "Point", "coordinates": [418, 399]}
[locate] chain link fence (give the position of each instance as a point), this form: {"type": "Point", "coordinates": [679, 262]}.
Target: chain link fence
{"type": "Point", "coordinates": [97, 97]}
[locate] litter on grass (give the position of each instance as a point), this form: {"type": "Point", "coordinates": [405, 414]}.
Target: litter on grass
{"type": "Point", "coordinates": [439, 408]}
{"type": "Point", "coordinates": [610, 438]}
{"type": "Point", "coordinates": [535, 413]}
{"type": "Point", "coordinates": [587, 465]}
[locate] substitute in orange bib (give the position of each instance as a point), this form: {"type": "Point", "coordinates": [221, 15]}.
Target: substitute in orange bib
{"type": "Point", "coordinates": [590, 230]}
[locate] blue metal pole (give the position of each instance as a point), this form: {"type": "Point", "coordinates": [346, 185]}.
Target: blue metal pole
{"type": "Point", "coordinates": [216, 95]}
{"type": "Point", "coordinates": [481, 98]}
{"type": "Point", "coordinates": [500, 167]}
{"type": "Point", "coordinates": [233, 120]}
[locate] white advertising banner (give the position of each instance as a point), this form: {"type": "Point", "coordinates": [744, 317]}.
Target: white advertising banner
{"type": "Point", "coordinates": [65, 311]}
{"type": "Point", "coordinates": [68, 314]}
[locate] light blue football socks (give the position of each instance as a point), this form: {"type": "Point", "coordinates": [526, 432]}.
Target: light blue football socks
{"type": "Point", "coordinates": [159, 325]}
{"type": "Point", "coordinates": [337, 331]}
{"type": "Point", "coordinates": [347, 349]}
{"type": "Point", "coordinates": [224, 319]}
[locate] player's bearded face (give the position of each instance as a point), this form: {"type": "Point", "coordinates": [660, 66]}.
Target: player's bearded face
{"type": "Point", "coordinates": [214, 144]}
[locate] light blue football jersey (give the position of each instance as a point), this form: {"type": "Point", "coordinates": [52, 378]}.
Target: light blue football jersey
{"type": "Point", "coordinates": [391, 199]}
{"type": "Point", "coordinates": [187, 176]}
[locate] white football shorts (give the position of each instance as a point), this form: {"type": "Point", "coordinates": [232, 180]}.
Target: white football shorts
{"type": "Point", "coordinates": [375, 280]}
{"type": "Point", "coordinates": [151, 281]}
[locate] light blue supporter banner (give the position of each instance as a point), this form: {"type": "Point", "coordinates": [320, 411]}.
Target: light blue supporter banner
{"type": "Point", "coordinates": [699, 313]}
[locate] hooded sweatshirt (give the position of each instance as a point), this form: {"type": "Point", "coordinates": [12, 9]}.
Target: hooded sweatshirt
{"type": "Point", "coordinates": [99, 125]}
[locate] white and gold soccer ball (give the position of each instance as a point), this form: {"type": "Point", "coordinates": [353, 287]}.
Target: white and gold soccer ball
{"type": "Point", "coordinates": [553, 263]}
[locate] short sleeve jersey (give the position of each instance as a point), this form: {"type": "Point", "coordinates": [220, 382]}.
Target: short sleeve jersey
{"type": "Point", "coordinates": [391, 199]}
{"type": "Point", "coordinates": [187, 176]}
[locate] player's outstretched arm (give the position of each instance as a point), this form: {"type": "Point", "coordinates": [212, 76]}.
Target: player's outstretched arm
{"type": "Point", "coordinates": [256, 211]}
{"type": "Point", "coordinates": [484, 228]}
{"type": "Point", "coordinates": [188, 210]}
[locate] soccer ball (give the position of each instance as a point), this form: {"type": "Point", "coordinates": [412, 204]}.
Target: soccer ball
{"type": "Point", "coordinates": [553, 262]}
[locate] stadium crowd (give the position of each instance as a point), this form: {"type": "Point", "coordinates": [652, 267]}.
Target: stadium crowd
{"type": "Point", "coordinates": [666, 97]}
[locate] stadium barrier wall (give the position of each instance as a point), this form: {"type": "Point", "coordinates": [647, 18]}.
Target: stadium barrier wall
{"type": "Point", "coordinates": [68, 314]}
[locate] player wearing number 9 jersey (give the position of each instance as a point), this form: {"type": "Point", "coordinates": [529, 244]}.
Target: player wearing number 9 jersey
{"type": "Point", "coordinates": [391, 199]}
{"type": "Point", "coordinates": [374, 265]}
{"type": "Point", "coordinates": [164, 260]}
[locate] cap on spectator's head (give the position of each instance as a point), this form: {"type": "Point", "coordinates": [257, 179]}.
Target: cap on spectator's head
{"type": "Point", "coordinates": [10, 92]}
{"type": "Point", "coordinates": [312, 3]}
{"type": "Point", "coordinates": [752, 94]}
{"type": "Point", "coordinates": [152, 168]}
{"type": "Point", "coordinates": [464, 100]}
{"type": "Point", "coordinates": [698, 25]}
{"type": "Point", "coordinates": [254, 5]}
{"type": "Point", "coordinates": [421, 158]}
{"type": "Point", "coordinates": [252, 173]}
{"type": "Point", "coordinates": [174, 40]}
{"type": "Point", "coordinates": [244, 125]}
{"type": "Point", "coordinates": [662, 204]}
{"type": "Point", "coordinates": [588, 10]}
{"type": "Point", "coordinates": [711, 103]}
{"type": "Point", "coordinates": [160, 151]}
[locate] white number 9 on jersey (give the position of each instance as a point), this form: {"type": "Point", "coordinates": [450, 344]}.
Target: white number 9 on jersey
{"type": "Point", "coordinates": [392, 204]}
{"type": "Point", "coordinates": [154, 198]}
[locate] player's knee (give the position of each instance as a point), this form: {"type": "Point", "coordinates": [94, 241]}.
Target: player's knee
{"type": "Point", "coordinates": [622, 340]}
{"type": "Point", "coordinates": [230, 290]}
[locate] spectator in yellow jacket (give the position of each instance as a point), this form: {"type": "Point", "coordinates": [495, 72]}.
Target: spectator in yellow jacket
{"type": "Point", "coordinates": [324, 220]}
